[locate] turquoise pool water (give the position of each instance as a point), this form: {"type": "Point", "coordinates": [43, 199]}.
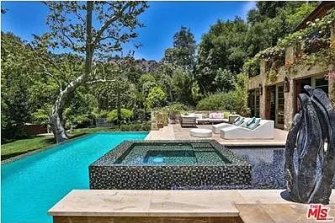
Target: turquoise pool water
{"type": "Point", "coordinates": [32, 185]}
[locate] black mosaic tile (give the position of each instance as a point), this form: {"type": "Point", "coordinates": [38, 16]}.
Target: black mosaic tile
{"type": "Point", "coordinates": [121, 169]}
{"type": "Point", "coordinates": [267, 167]}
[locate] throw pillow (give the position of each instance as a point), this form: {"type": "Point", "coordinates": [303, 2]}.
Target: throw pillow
{"type": "Point", "coordinates": [236, 119]}
{"type": "Point", "coordinates": [255, 124]}
{"type": "Point", "coordinates": [252, 120]}
{"type": "Point", "coordinates": [240, 122]}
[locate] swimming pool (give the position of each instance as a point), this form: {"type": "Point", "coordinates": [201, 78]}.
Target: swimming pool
{"type": "Point", "coordinates": [32, 185]}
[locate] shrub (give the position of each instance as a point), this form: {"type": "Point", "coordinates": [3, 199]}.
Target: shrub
{"type": "Point", "coordinates": [136, 127]}
{"type": "Point", "coordinates": [226, 114]}
{"type": "Point", "coordinates": [101, 114]}
{"type": "Point", "coordinates": [81, 121]}
{"type": "Point", "coordinates": [174, 109]}
{"type": "Point", "coordinates": [218, 101]}
{"type": "Point", "coordinates": [126, 114]}
{"type": "Point", "coordinates": [178, 107]}
{"type": "Point", "coordinates": [156, 98]}
{"type": "Point", "coordinates": [232, 101]}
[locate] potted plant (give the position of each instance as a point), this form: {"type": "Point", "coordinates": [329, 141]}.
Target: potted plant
{"type": "Point", "coordinates": [159, 120]}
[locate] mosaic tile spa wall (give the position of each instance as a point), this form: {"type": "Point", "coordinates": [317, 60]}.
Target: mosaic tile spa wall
{"type": "Point", "coordinates": [168, 165]}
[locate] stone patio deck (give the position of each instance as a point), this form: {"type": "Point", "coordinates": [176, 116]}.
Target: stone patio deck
{"type": "Point", "coordinates": [143, 206]}
{"type": "Point", "coordinates": [175, 131]}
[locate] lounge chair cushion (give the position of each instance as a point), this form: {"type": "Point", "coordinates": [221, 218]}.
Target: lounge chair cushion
{"type": "Point", "coordinates": [255, 124]}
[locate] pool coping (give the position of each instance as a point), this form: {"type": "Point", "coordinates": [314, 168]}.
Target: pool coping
{"type": "Point", "coordinates": [250, 205]}
{"type": "Point", "coordinates": [71, 140]}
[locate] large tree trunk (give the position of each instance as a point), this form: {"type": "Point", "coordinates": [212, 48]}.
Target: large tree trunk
{"type": "Point", "coordinates": [56, 121]}
{"type": "Point", "coordinates": [118, 109]}
{"type": "Point", "coordinates": [57, 126]}
{"type": "Point", "coordinates": [171, 96]}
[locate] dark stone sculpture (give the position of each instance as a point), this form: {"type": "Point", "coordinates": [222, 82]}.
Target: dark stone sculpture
{"type": "Point", "coordinates": [310, 149]}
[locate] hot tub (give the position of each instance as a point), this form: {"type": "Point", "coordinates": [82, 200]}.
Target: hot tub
{"type": "Point", "coordinates": [169, 165]}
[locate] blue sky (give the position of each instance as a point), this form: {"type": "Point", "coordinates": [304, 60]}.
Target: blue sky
{"type": "Point", "coordinates": [161, 20]}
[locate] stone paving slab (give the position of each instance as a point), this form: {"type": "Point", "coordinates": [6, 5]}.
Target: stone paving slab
{"type": "Point", "coordinates": [143, 203]}
{"type": "Point", "coordinates": [165, 133]}
{"type": "Point", "coordinates": [103, 203]}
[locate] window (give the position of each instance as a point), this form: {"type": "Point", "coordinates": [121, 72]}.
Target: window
{"type": "Point", "coordinates": [254, 102]}
{"type": "Point", "coordinates": [321, 83]}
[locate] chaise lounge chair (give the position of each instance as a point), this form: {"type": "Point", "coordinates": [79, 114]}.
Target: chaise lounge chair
{"type": "Point", "coordinates": [237, 122]}
{"type": "Point", "coordinates": [259, 129]}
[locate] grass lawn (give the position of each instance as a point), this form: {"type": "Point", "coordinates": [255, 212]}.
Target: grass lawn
{"type": "Point", "coordinates": [21, 146]}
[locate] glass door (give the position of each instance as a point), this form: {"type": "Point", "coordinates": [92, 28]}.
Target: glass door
{"type": "Point", "coordinates": [280, 100]}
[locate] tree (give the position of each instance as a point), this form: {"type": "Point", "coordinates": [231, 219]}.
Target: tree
{"type": "Point", "coordinates": [228, 44]}
{"type": "Point", "coordinates": [273, 20]}
{"type": "Point", "coordinates": [156, 98]}
{"type": "Point", "coordinates": [182, 86]}
{"type": "Point", "coordinates": [183, 51]}
{"type": "Point", "coordinates": [118, 91]}
{"type": "Point", "coordinates": [99, 28]}
{"type": "Point", "coordinates": [221, 49]}
{"type": "Point", "coordinates": [165, 73]}
{"type": "Point", "coordinates": [15, 84]}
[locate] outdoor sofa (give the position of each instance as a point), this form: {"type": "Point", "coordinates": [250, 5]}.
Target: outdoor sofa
{"type": "Point", "coordinates": [191, 120]}
{"type": "Point", "coordinates": [213, 118]}
{"type": "Point", "coordinates": [188, 121]}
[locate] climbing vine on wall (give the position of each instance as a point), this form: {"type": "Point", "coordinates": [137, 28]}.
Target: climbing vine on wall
{"type": "Point", "coordinates": [312, 46]}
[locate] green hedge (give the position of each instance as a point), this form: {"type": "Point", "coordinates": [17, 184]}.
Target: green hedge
{"type": "Point", "coordinates": [126, 115]}
{"type": "Point", "coordinates": [231, 101]}
{"type": "Point", "coordinates": [135, 127]}
{"type": "Point", "coordinates": [218, 101]}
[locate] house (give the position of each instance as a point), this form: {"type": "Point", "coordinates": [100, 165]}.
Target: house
{"type": "Point", "coordinates": [283, 74]}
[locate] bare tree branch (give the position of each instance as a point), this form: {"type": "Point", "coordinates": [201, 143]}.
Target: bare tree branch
{"type": "Point", "coordinates": [110, 37]}
{"type": "Point", "coordinates": [73, 45]}
{"type": "Point", "coordinates": [53, 77]}
{"type": "Point", "coordinates": [108, 23]}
